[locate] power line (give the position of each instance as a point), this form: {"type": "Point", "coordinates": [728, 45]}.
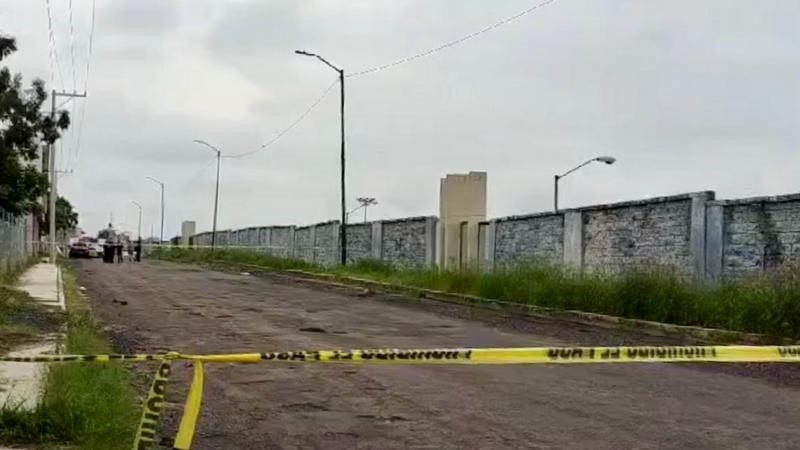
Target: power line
{"type": "Point", "coordinates": [451, 43]}
{"type": "Point", "coordinates": [53, 48]}
{"type": "Point", "coordinates": [72, 48]}
{"type": "Point", "coordinates": [292, 125]}
{"type": "Point", "coordinates": [85, 83]}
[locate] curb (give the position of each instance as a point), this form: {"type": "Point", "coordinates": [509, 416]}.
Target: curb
{"type": "Point", "coordinates": [581, 317]}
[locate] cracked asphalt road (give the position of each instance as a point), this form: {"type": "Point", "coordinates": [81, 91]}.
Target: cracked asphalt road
{"type": "Point", "coordinates": [337, 406]}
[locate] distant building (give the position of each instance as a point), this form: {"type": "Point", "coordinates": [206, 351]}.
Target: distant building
{"type": "Point", "coordinates": [187, 231]}
{"type": "Point", "coordinates": [462, 206]}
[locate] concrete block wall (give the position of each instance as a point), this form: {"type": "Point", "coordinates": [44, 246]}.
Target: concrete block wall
{"type": "Point", "coordinates": [408, 242]}
{"type": "Point", "coordinates": [359, 241]}
{"type": "Point", "coordinates": [326, 243]}
{"type": "Point", "coordinates": [663, 233]}
{"type": "Point", "coordinates": [534, 237]}
{"type": "Point", "coordinates": [280, 241]}
{"type": "Point", "coordinates": [304, 243]}
{"type": "Point", "coordinates": [653, 233]}
{"type": "Point", "coordinates": [752, 235]}
{"type": "Point", "coordinates": [693, 234]}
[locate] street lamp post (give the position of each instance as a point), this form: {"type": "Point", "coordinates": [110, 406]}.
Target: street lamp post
{"type": "Point", "coordinates": [343, 231]}
{"type": "Point", "coordinates": [216, 192]}
{"type": "Point", "coordinates": [160, 183]}
{"type": "Point", "coordinates": [138, 205]}
{"type": "Point", "coordinates": [364, 203]}
{"type": "Point", "coordinates": [604, 159]}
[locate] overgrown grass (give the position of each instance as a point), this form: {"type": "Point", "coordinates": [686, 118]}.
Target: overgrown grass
{"type": "Point", "coordinates": [91, 405]}
{"type": "Point", "coordinates": [767, 304]}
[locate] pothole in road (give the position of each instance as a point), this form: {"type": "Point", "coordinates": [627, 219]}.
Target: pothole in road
{"type": "Point", "coordinates": [305, 406]}
{"type": "Point", "coordinates": [313, 330]}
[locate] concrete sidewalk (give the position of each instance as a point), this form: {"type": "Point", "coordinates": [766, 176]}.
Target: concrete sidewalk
{"type": "Point", "coordinates": [20, 382]}
{"type": "Point", "coordinates": [43, 283]}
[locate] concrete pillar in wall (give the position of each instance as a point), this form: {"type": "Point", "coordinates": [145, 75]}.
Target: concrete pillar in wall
{"type": "Point", "coordinates": [573, 240]}
{"type": "Point", "coordinates": [377, 240]}
{"type": "Point", "coordinates": [697, 232]}
{"type": "Point", "coordinates": [290, 251]}
{"type": "Point", "coordinates": [489, 246]}
{"type": "Point", "coordinates": [430, 241]}
{"type": "Point", "coordinates": [265, 239]}
{"type": "Point", "coordinates": [335, 254]}
{"type": "Point", "coordinates": [714, 244]}
{"type": "Point", "coordinates": [313, 233]}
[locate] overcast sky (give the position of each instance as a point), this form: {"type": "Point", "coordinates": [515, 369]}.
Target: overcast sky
{"type": "Point", "coordinates": [687, 95]}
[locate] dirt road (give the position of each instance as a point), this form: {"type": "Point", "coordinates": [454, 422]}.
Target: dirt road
{"type": "Point", "coordinates": [185, 308]}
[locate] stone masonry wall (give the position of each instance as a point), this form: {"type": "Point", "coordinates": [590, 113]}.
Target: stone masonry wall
{"type": "Point", "coordinates": [760, 234]}
{"type": "Point", "coordinates": [404, 241]}
{"type": "Point", "coordinates": [638, 235]}
{"type": "Point", "coordinates": [303, 246]}
{"type": "Point", "coordinates": [326, 245]}
{"type": "Point", "coordinates": [692, 234]}
{"type": "Point", "coordinates": [537, 237]}
{"type": "Point", "coordinates": [359, 242]}
{"type": "Point", "coordinates": [280, 241]}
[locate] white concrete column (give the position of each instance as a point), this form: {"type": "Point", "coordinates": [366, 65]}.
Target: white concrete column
{"type": "Point", "coordinates": [290, 250]}
{"type": "Point", "coordinates": [430, 241]}
{"type": "Point", "coordinates": [377, 240]}
{"type": "Point", "coordinates": [573, 240]}
{"type": "Point", "coordinates": [265, 239]}
{"type": "Point", "coordinates": [335, 252]}
{"type": "Point", "coordinates": [715, 222]}
{"type": "Point", "coordinates": [312, 231]}
{"type": "Point", "coordinates": [489, 246]}
{"type": "Point", "coordinates": [697, 232]}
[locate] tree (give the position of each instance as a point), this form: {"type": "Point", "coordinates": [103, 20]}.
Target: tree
{"type": "Point", "coordinates": [66, 216]}
{"type": "Point", "coordinates": [23, 130]}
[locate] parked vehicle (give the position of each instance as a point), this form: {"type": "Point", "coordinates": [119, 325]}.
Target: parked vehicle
{"type": "Point", "coordinates": [95, 250]}
{"type": "Point", "coordinates": [79, 250]}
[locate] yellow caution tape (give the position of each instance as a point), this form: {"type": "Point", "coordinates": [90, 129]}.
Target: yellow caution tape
{"type": "Point", "coordinates": [183, 440]}
{"type": "Point", "coordinates": [85, 358]}
{"type": "Point", "coordinates": [146, 433]}
{"type": "Point", "coordinates": [521, 355]}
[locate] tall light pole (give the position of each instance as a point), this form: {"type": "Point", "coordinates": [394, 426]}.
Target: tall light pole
{"type": "Point", "coordinates": [160, 183]}
{"type": "Point", "coordinates": [604, 159]}
{"type": "Point", "coordinates": [366, 202]}
{"type": "Point", "coordinates": [216, 192]}
{"type": "Point", "coordinates": [51, 162]}
{"type": "Point", "coordinates": [138, 205]}
{"type": "Point", "coordinates": [343, 227]}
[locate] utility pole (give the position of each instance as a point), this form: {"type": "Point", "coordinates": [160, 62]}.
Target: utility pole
{"type": "Point", "coordinates": [343, 227]}
{"type": "Point", "coordinates": [160, 183]}
{"type": "Point", "coordinates": [216, 192]}
{"type": "Point", "coordinates": [51, 153]}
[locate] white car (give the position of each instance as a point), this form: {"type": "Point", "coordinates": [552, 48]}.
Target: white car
{"type": "Point", "coordinates": [95, 250]}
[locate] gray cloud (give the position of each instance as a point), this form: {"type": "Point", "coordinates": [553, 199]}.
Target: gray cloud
{"type": "Point", "coordinates": [688, 96]}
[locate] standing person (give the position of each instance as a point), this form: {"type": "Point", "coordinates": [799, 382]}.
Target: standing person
{"type": "Point", "coordinates": [138, 250]}
{"type": "Point", "coordinates": [118, 249]}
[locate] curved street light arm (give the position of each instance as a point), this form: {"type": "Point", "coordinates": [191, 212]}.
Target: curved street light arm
{"type": "Point", "coordinates": [202, 142]}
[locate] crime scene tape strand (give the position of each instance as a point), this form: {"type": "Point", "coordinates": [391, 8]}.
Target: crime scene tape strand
{"type": "Point", "coordinates": [521, 355]}
{"type": "Point", "coordinates": [146, 433]}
